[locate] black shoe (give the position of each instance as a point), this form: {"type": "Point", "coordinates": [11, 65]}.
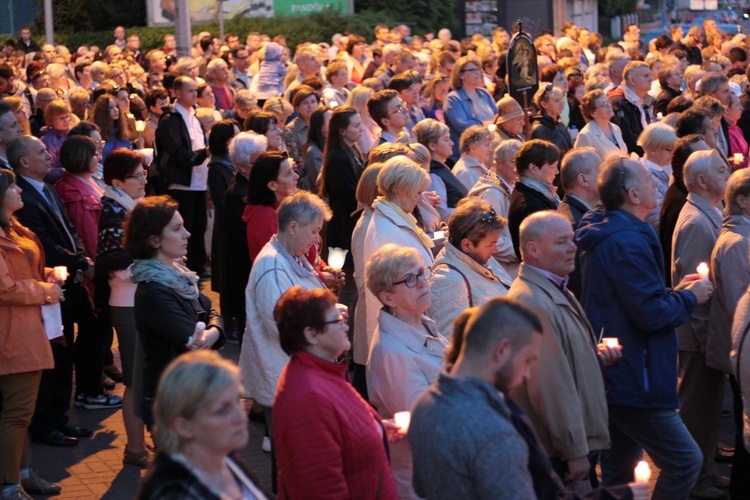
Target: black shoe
{"type": "Point", "coordinates": [38, 486]}
{"type": "Point", "coordinates": [55, 438]}
{"type": "Point", "coordinates": [74, 431]}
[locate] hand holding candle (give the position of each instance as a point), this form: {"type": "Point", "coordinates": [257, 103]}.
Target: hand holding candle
{"type": "Point", "coordinates": [702, 270]}
{"type": "Point", "coordinates": [61, 273]}
{"type": "Point", "coordinates": [738, 158]}
{"type": "Point", "coordinates": [336, 257]}
{"type": "Point", "coordinates": [403, 419]}
{"type": "Point", "coordinates": [642, 472]}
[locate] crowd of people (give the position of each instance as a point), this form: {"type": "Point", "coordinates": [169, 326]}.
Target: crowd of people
{"type": "Point", "coordinates": [547, 290]}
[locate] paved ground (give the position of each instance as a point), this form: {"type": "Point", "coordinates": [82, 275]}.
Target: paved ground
{"type": "Point", "coordinates": [94, 468]}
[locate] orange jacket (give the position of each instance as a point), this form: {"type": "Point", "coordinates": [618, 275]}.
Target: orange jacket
{"type": "Point", "coordinates": [23, 344]}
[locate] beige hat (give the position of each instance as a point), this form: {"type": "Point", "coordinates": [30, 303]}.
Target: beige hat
{"type": "Point", "coordinates": [507, 109]}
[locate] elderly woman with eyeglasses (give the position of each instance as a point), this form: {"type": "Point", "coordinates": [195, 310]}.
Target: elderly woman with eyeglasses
{"type": "Point", "coordinates": [599, 133]}
{"type": "Point", "coordinates": [547, 125]}
{"type": "Point", "coordinates": [339, 451]}
{"type": "Point", "coordinates": [657, 141]}
{"type": "Point", "coordinates": [406, 352]}
{"type": "Point", "coordinates": [465, 274]}
{"type": "Point", "coordinates": [280, 265]}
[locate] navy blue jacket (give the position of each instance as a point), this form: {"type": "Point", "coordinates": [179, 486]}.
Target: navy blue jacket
{"type": "Point", "coordinates": [622, 291]}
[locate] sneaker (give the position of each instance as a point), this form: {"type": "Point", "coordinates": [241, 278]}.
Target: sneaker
{"type": "Point", "coordinates": [38, 486]}
{"type": "Point", "coordinates": [15, 493]}
{"type": "Point", "coordinates": [101, 402]}
{"type": "Point", "coordinates": [266, 446]}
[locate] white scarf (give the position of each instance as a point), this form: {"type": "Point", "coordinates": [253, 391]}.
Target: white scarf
{"type": "Point", "coordinates": [120, 197]}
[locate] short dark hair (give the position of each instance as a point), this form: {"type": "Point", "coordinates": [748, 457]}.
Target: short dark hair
{"type": "Point", "coordinates": [206, 42]}
{"type": "Point", "coordinates": [265, 169]}
{"type": "Point", "coordinates": [499, 319]}
{"type": "Point", "coordinates": [736, 54]}
{"type": "Point", "coordinates": [219, 137]}
{"type": "Point", "coordinates": [301, 93]}
{"type": "Point", "coordinates": [76, 153]}
{"type": "Point", "coordinates": [679, 104]}
{"type": "Point", "coordinates": [315, 134]}
{"type": "Point", "coordinates": [83, 128]}
{"type": "Point", "coordinates": [538, 152]}
{"type": "Point", "coordinates": [147, 220]}
{"type": "Point", "coordinates": [7, 179]}
{"type": "Point", "coordinates": [260, 122]}
{"type": "Point", "coordinates": [473, 219]}
{"type": "Point", "coordinates": [692, 121]}
{"type": "Point", "coordinates": [6, 71]}
{"type": "Point", "coordinates": [299, 308]}
{"type": "Point", "coordinates": [154, 95]}
{"type": "Point", "coordinates": [120, 164]}
{"type": "Point", "coordinates": [683, 148]}
{"type": "Point", "coordinates": [403, 81]}
{"type": "Point", "coordinates": [377, 105]}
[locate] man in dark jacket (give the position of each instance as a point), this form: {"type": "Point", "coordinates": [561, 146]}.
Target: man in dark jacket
{"type": "Point", "coordinates": [536, 164]}
{"type": "Point", "coordinates": [25, 43]}
{"type": "Point", "coordinates": [44, 214]}
{"type": "Point", "coordinates": [623, 294]}
{"type": "Point", "coordinates": [632, 104]}
{"type": "Point", "coordinates": [181, 158]}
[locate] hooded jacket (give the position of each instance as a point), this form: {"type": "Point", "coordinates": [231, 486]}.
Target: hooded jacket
{"type": "Point", "coordinates": [624, 296]}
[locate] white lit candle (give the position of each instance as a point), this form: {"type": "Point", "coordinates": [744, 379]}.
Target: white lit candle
{"type": "Point", "coordinates": [140, 126]}
{"type": "Point", "coordinates": [333, 104]}
{"type": "Point", "coordinates": [336, 257]}
{"type": "Point", "coordinates": [702, 270]}
{"type": "Point", "coordinates": [611, 341]}
{"type": "Point", "coordinates": [61, 272]}
{"type": "Point", "coordinates": [491, 127]}
{"type": "Point", "coordinates": [439, 235]}
{"type": "Point", "coordinates": [642, 472]}
{"type": "Point", "coordinates": [738, 158]}
{"type": "Point", "coordinates": [403, 419]}
{"type": "Point", "coordinates": [659, 116]}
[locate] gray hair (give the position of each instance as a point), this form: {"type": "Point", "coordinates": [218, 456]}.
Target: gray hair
{"type": "Point", "coordinates": [244, 97]}
{"type": "Point", "coordinates": [507, 149]}
{"type": "Point", "coordinates": [657, 135]}
{"type": "Point", "coordinates": [699, 163]}
{"type": "Point", "coordinates": [579, 161]}
{"type": "Point", "coordinates": [303, 208]}
{"type": "Point", "coordinates": [388, 265]}
{"type": "Point", "coordinates": [737, 185]}
{"type": "Point", "coordinates": [245, 147]}
{"type": "Point", "coordinates": [190, 382]}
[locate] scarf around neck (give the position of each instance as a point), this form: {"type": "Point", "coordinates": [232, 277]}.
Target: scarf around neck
{"type": "Point", "coordinates": [409, 219]}
{"type": "Point", "coordinates": [178, 277]}
{"type": "Point", "coordinates": [120, 197]}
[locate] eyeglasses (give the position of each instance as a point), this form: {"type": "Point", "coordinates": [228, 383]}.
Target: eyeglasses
{"type": "Point", "coordinates": [489, 217]}
{"type": "Point", "coordinates": [605, 105]}
{"type": "Point", "coordinates": [470, 70]}
{"type": "Point", "coordinates": [141, 176]}
{"type": "Point", "coordinates": [411, 279]}
{"type": "Point", "coordinates": [401, 108]}
{"type": "Point", "coordinates": [340, 320]}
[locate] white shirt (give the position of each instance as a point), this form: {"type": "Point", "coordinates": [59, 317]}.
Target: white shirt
{"type": "Point", "coordinates": [199, 179]}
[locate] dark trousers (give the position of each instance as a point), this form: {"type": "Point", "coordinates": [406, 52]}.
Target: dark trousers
{"type": "Point", "coordinates": [84, 350]}
{"type": "Point", "coordinates": [193, 211]}
{"type": "Point", "coordinates": [739, 482]}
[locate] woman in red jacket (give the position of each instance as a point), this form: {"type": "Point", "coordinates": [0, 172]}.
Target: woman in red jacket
{"type": "Point", "coordinates": [340, 451]}
{"type": "Point", "coordinates": [78, 191]}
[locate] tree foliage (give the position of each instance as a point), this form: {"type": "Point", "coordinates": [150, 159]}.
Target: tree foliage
{"type": "Point", "coordinates": [612, 8]}
{"type": "Point", "coordinates": [87, 15]}
{"type": "Point", "coordinates": [423, 15]}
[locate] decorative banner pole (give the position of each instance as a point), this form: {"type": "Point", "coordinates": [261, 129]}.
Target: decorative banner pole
{"type": "Point", "coordinates": [523, 72]}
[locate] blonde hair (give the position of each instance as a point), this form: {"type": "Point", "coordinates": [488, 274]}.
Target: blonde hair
{"type": "Point", "coordinates": [387, 265]}
{"type": "Point", "coordinates": [420, 154]}
{"type": "Point", "coordinates": [56, 107]}
{"type": "Point", "coordinates": [402, 176]}
{"type": "Point", "coordinates": [367, 187]}
{"type": "Point", "coordinates": [358, 99]}
{"type": "Point", "coordinates": [657, 135]}
{"type": "Point", "coordinates": [429, 130]}
{"type": "Point", "coordinates": [278, 106]}
{"type": "Point", "coordinates": [190, 382]}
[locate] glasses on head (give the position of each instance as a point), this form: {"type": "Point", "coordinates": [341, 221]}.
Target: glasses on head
{"type": "Point", "coordinates": [340, 320]}
{"type": "Point", "coordinates": [489, 217]}
{"type": "Point", "coordinates": [547, 90]}
{"type": "Point", "coordinates": [411, 280]}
